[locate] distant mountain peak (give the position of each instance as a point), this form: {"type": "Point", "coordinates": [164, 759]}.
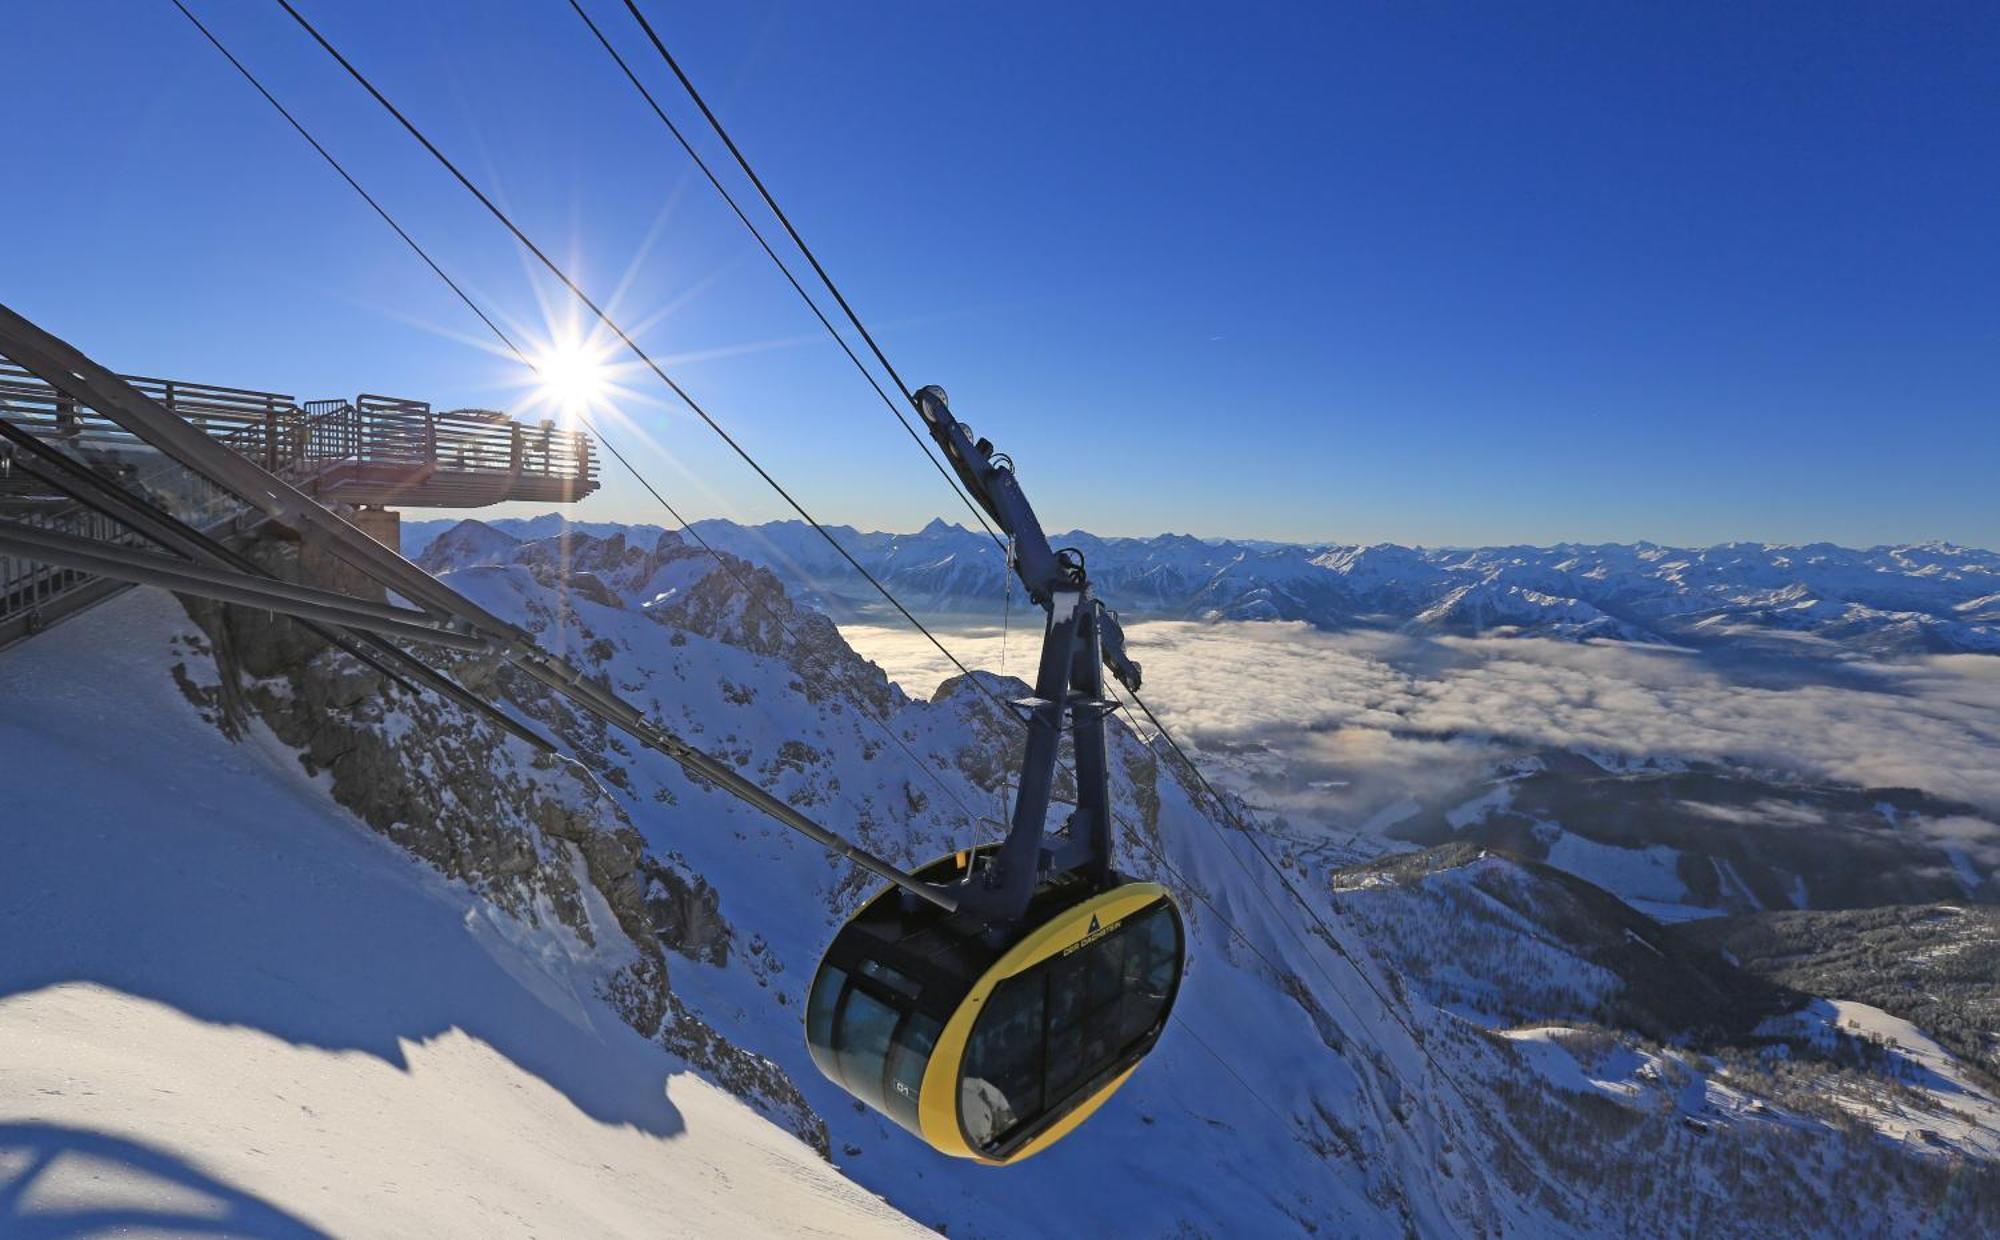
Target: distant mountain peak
{"type": "Point", "coordinates": [1931, 597]}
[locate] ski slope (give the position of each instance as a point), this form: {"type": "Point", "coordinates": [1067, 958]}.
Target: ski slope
{"type": "Point", "coordinates": [227, 1006]}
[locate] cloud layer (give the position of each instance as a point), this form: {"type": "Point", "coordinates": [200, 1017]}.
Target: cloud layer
{"type": "Point", "coordinates": [1339, 721]}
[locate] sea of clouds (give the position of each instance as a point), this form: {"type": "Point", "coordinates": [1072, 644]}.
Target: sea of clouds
{"type": "Point", "coordinates": [1336, 726]}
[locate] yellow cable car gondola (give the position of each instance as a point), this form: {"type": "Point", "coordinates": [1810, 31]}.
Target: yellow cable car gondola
{"type": "Point", "coordinates": [993, 1043]}
{"type": "Point", "coordinates": [992, 1001]}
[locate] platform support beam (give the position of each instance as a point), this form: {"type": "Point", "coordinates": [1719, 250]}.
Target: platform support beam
{"type": "Point", "coordinates": [384, 525]}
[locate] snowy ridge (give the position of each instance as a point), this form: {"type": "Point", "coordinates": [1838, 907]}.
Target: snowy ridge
{"type": "Point", "coordinates": [1926, 597]}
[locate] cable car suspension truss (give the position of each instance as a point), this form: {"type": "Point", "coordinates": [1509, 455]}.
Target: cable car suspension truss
{"type": "Point", "coordinates": [1083, 638]}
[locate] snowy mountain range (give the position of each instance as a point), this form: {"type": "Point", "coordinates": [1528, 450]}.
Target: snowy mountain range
{"type": "Point", "coordinates": [1921, 598]}
{"type": "Point", "coordinates": [295, 950]}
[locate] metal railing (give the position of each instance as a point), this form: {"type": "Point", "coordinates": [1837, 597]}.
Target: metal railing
{"type": "Point", "coordinates": [28, 586]}
{"type": "Point", "coordinates": [283, 435]}
{"type": "Point", "coordinates": [330, 439]}
{"type": "Point", "coordinates": [248, 420]}
{"type": "Point", "coordinates": [385, 429]}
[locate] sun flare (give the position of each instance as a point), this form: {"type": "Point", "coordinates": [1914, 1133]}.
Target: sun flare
{"type": "Point", "coordinates": [573, 376]}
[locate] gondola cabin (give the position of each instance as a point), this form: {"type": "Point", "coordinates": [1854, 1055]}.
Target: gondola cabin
{"type": "Point", "coordinates": [994, 1043]}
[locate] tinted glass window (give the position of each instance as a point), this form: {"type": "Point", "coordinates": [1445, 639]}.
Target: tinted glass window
{"type": "Point", "coordinates": [1162, 959]}
{"type": "Point", "coordinates": [1065, 978]}
{"type": "Point", "coordinates": [1002, 1076]}
{"type": "Point", "coordinates": [866, 1027]}
{"type": "Point", "coordinates": [1146, 979]}
{"type": "Point", "coordinates": [895, 979]}
{"type": "Point", "coordinates": [819, 1018]}
{"type": "Point", "coordinates": [1121, 984]}
{"type": "Point", "coordinates": [906, 1073]}
{"type": "Point", "coordinates": [1048, 1031]}
{"type": "Point", "coordinates": [1104, 967]}
{"type": "Point", "coordinates": [1090, 994]}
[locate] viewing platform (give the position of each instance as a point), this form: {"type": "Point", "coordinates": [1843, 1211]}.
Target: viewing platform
{"type": "Point", "coordinates": [374, 454]}
{"type": "Point", "coordinates": [370, 451]}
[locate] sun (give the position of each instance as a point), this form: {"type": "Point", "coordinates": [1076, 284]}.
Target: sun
{"type": "Point", "coordinates": [573, 376]}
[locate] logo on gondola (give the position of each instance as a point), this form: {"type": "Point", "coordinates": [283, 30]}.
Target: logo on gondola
{"type": "Point", "coordinates": [1096, 931]}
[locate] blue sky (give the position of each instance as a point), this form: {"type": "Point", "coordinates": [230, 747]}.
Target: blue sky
{"type": "Point", "coordinates": [1427, 273]}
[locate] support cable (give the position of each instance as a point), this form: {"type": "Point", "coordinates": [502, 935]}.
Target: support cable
{"type": "Point", "coordinates": [1292, 1121]}
{"type": "Point", "coordinates": [785, 270]}
{"type": "Point", "coordinates": [602, 315]}
{"type": "Point", "coordinates": [819, 269]}
{"type": "Point", "coordinates": [1326, 935]}
{"type": "Point", "coordinates": [723, 561]}
{"type": "Point", "coordinates": [353, 184]}
{"type": "Point", "coordinates": [770, 201]}
{"type": "Point", "coordinates": [763, 191]}
{"type": "Point", "coordinates": [646, 359]}
{"type": "Point", "coordinates": [605, 318]}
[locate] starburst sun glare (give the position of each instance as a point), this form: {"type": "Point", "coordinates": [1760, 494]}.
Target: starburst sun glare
{"type": "Point", "coordinates": [573, 376]}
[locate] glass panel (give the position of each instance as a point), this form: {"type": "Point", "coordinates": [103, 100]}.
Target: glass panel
{"type": "Point", "coordinates": [819, 1017]}
{"type": "Point", "coordinates": [862, 1042]}
{"type": "Point", "coordinates": [895, 979]}
{"type": "Point", "coordinates": [1148, 975]}
{"type": "Point", "coordinates": [1001, 1082]}
{"type": "Point", "coordinates": [906, 1076]}
{"type": "Point", "coordinates": [1065, 1022]}
{"type": "Point", "coordinates": [1104, 965]}
{"type": "Point", "coordinates": [1107, 995]}
{"type": "Point", "coordinates": [1103, 969]}
{"type": "Point", "coordinates": [1066, 1017]}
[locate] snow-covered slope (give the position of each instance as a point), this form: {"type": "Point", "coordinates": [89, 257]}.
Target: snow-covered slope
{"type": "Point", "coordinates": [226, 1006]}
{"type": "Point", "coordinates": [1930, 597]}
{"type": "Point", "coordinates": [462, 545]}
{"type": "Point", "coordinates": [1680, 839]}
{"type": "Point", "coordinates": [1477, 607]}
{"type": "Point", "coordinates": [1186, 1145]}
{"type": "Point", "coordinates": [211, 896]}
{"type": "Point", "coordinates": [1733, 1084]}
{"type": "Point", "coordinates": [417, 536]}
